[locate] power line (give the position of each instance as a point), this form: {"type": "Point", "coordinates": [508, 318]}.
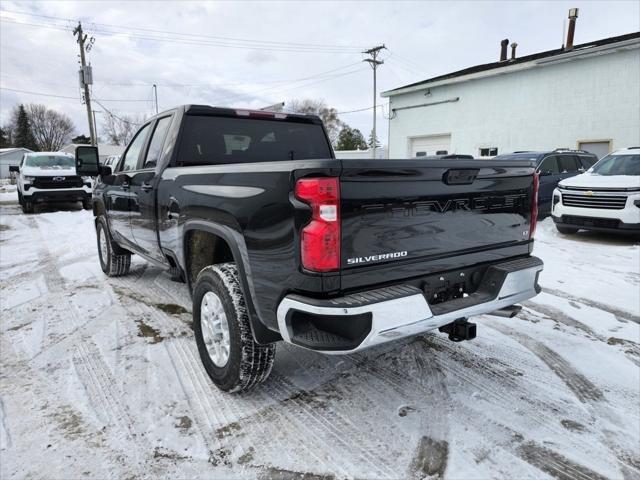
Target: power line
{"type": "Point", "coordinates": [68, 97]}
{"type": "Point", "coordinates": [192, 39]}
{"type": "Point", "coordinates": [195, 35]}
{"type": "Point", "coordinates": [286, 88]}
{"type": "Point", "coordinates": [109, 112]}
{"type": "Point", "coordinates": [359, 110]}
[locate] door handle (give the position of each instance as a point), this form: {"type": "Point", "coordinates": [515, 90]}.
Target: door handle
{"type": "Point", "coordinates": [125, 185]}
{"type": "Point", "coordinates": [147, 187]}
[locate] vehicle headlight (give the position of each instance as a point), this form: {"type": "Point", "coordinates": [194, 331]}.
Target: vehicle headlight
{"type": "Point", "coordinates": [87, 181]}
{"type": "Point", "coordinates": [28, 179]}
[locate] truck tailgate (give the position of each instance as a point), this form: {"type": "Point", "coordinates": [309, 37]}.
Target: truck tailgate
{"type": "Point", "coordinates": [401, 212]}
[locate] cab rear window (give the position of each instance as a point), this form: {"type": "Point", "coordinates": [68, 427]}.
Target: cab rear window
{"type": "Point", "coordinates": [209, 140]}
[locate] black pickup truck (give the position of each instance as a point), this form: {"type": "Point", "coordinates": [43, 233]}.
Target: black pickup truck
{"type": "Point", "coordinates": [279, 240]}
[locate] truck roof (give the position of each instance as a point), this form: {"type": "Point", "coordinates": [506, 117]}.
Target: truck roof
{"type": "Point", "coordinates": [247, 112]}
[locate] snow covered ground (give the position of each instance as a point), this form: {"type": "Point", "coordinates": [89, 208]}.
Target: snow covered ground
{"type": "Point", "coordinates": [100, 378]}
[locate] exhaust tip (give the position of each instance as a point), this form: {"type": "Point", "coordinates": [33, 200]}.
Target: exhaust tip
{"type": "Point", "coordinates": [507, 312]}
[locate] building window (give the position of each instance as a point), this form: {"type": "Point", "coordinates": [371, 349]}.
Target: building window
{"type": "Point", "coordinates": [489, 152]}
{"type": "Point", "coordinates": [421, 154]}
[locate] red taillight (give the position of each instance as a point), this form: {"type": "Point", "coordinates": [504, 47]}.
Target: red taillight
{"type": "Point", "coordinates": [320, 238]}
{"type": "Point", "coordinates": [534, 205]}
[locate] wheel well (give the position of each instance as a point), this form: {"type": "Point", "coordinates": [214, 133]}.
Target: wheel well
{"type": "Point", "coordinates": [203, 249]}
{"type": "Point", "coordinates": [98, 209]}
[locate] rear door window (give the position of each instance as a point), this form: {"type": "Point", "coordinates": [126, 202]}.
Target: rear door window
{"type": "Point", "coordinates": [549, 166]}
{"type": "Point", "coordinates": [567, 164]}
{"type": "Point", "coordinates": [209, 140]}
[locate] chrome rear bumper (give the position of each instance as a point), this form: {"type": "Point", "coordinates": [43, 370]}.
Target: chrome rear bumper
{"type": "Point", "coordinates": [395, 312]}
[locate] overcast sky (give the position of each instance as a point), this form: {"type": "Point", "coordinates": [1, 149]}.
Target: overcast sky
{"type": "Point", "coordinates": [253, 54]}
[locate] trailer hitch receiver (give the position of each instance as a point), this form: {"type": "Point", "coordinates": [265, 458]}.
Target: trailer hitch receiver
{"type": "Point", "coordinates": [459, 330]}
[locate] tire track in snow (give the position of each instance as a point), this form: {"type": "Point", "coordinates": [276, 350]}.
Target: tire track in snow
{"type": "Point", "coordinates": [619, 313]}
{"type": "Point", "coordinates": [581, 387]}
{"type": "Point", "coordinates": [585, 391]}
{"type": "Point", "coordinates": [554, 464]}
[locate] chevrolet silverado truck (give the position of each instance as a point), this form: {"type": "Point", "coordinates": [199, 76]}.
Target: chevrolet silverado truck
{"type": "Point", "coordinates": [50, 177]}
{"type": "Point", "coordinates": [280, 241]}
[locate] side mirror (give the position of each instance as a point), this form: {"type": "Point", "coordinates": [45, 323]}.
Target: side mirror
{"type": "Point", "coordinates": [87, 161]}
{"type": "Point", "coordinates": [14, 168]}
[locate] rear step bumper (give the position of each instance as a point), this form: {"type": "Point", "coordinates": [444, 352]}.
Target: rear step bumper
{"type": "Point", "coordinates": [354, 322]}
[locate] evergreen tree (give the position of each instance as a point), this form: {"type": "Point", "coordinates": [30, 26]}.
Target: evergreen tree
{"type": "Point", "coordinates": [23, 136]}
{"type": "Point", "coordinates": [5, 141]}
{"type": "Point", "coordinates": [351, 139]}
{"type": "Point", "coordinates": [371, 141]}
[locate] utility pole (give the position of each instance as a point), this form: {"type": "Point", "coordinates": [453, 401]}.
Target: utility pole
{"type": "Point", "coordinates": [85, 79]}
{"type": "Point", "coordinates": [374, 62]}
{"type": "Point", "coordinates": [155, 91]}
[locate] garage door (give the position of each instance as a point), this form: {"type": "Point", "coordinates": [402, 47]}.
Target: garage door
{"type": "Point", "coordinates": [430, 145]}
{"type": "Point", "coordinates": [597, 148]}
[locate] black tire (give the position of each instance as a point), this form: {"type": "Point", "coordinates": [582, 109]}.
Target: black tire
{"type": "Point", "coordinates": [566, 230]}
{"type": "Point", "coordinates": [113, 265]}
{"type": "Point", "coordinates": [248, 363]}
{"type": "Point", "coordinates": [27, 206]}
{"type": "Point", "coordinates": [86, 204]}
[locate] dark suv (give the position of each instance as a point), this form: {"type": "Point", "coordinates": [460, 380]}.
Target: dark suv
{"type": "Point", "coordinates": [553, 167]}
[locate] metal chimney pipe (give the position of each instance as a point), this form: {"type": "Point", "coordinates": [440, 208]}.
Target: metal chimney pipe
{"type": "Point", "coordinates": [514, 45]}
{"type": "Point", "coordinates": [573, 15]}
{"type": "Point", "coordinates": [503, 49]}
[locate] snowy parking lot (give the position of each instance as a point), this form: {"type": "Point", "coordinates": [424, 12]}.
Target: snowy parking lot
{"type": "Point", "coordinates": [100, 378]}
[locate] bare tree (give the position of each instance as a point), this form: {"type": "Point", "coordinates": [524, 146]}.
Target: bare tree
{"type": "Point", "coordinates": [329, 115]}
{"type": "Point", "coordinates": [51, 129]}
{"type": "Point", "coordinates": [120, 130]}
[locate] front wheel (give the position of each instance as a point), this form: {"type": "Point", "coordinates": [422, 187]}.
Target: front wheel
{"type": "Point", "coordinates": [231, 357]}
{"type": "Point", "coordinates": [112, 264]}
{"type": "Point", "coordinates": [566, 230]}
{"type": "Point", "coordinates": [86, 204]}
{"type": "Point", "coordinates": [27, 206]}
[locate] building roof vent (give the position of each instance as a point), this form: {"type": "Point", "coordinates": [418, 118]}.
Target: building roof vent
{"type": "Point", "coordinates": [503, 49]}
{"type": "Point", "coordinates": [514, 45]}
{"type": "Point", "coordinates": [573, 15]}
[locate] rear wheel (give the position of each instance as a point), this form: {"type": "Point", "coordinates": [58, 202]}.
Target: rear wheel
{"type": "Point", "coordinates": [566, 230]}
{"type": "Point", "coordinates": [86, 204]}
{"type": "Point", "coordinates": [114, 265]}
{"type": "Point", "coordinates": [231, 357]}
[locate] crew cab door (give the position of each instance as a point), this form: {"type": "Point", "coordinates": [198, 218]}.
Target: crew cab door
{"type": "Point", "coordinates": [143, 192]}
{"type": "Point", "coordinates": [549, 171]}
{"type": "Point", "coordinates": [118, 194]}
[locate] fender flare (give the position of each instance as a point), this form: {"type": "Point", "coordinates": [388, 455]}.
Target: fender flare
{"type": "Point", "coordinates": [235, 241]}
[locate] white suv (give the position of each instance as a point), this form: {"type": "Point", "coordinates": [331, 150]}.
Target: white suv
{"type": "Point", "coordinates": [46, 177]}
{"type": "Point", "coordinates": [605, 198]}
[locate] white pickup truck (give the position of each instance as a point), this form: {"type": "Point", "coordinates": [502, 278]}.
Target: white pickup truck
{"type": "Point", "coordinates": [48, 177]}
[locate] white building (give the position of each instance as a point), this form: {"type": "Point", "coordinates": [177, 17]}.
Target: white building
{"type": "Point", "coordinates": [585, 97]}
{"type": "Point", "coordinates": [104, 151]}
{"type": "Point", "coordinates": [8, 157]}
{"type": "Point", "coordinates": [381, 153]}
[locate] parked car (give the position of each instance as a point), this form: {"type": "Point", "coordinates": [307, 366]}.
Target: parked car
{"type": "Point", "coordinates": [48, 177]}
{"type": "Point", "coordinates": [279, 240]}
{"type": "Point", "coordinates": [553, 167]}
{"type": "Point", "coordinates": [605, 198]}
